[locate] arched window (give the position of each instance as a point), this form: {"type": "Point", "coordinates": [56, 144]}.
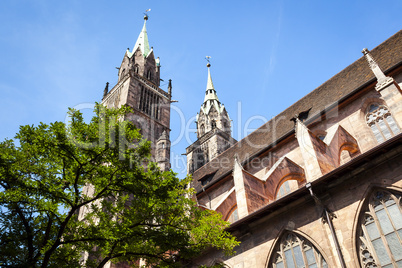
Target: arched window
{"type": "Point", "coordinates": [213, 124]}
{"type": "Point", "coordinates": [295, 251]}
{"type": "Point", "coordinates": [202, 130]}
{"type": "Point", "coordinates": [344, 157]}
{"type": "Point", "coordinates": [136, 69]}
{"type": "Point", "coordinates": [380, 233]}
{"type": "Point", "coordinates": [149, 75]}
{"type": "Point", "coordinates": [381, 122]}
{"type": "Point", "coordinates": [234, 216]}
{"type": "Point", "coordinates": [287, 187]}
{"type": "Point", "coordinates": [283, 190]}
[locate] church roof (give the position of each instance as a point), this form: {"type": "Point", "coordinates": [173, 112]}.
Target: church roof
{"type": "Point", "coordinates": [347, 82]}
{"type": "Point", "coordinates": [142, 41]}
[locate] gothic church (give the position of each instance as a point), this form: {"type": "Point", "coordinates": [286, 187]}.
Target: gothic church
{"type": "Point", "coordinates": [319, 185]}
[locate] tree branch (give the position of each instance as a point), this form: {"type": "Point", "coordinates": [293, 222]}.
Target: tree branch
{"type": "Point", "coordinates": [28, 231]}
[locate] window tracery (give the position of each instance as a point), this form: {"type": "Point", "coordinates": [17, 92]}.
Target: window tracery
{"type": "Point", "coordinates": [381, 122]}
{"type": "Point", "coordinates": [295, 251]}
{"type": "Point", "coordinates": [380, 234]}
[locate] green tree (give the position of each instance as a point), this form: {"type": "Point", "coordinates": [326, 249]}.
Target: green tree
{"type": "Point", "coordinates": [91, 187]}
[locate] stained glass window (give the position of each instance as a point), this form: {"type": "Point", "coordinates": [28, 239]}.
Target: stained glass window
{"type": "Point", "coordinates": [293, 251]}
{"type": "Point", "coordinates": [380, 235]}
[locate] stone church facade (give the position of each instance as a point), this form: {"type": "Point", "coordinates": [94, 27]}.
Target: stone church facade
{"type": "Point", "coordinates": [320, 185]}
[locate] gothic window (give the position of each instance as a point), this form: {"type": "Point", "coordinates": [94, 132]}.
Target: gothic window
{"type": "Point", "coordinates": [213, 124]}
{"type": "Point", "coordinates": [191, 166]}
{"type": "Point", "coordinates": [149, 75]}
{"type": "Point", "coordinates": [202, 130]}
{"type": "Point", "coordinates": [234, 215]}
{"type": "Point", "coordinates": [344, 157]}
{"type": "Point", "coordinates": [381, 122]}
{"type": "Point", "coordinates": [199, 158]}
{"type": "Point", "coordinates": [380, 234]}
{"type": "Point", "coordinates": [283, 190]}
{"type": "Point", "coordinates": [149, 103]}
{"type": "Point", "coordinates": [295, 251]}
{"type": "Point", "coordinates": [136, 69]}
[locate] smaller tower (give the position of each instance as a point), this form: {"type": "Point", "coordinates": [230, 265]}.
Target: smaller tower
{"type": "Point", "coordinates": [163, 151]}
{"type": "Point", "coordinates": [213, 129]}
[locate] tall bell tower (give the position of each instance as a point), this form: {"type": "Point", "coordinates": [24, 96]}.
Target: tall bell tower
{"type": "Point", "coordinates": [138, 86]}
{"type": "Point", "coordinates": [213, 130]}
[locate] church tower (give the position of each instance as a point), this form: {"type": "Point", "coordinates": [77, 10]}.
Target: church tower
{"type": "Point", "coordinates": [138, 86]}
{"type": "Point", "coordinates": [213, 130]}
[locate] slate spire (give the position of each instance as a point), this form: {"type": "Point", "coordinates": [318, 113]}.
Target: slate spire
{"type": "Point", "coordinates": [142, 41]}
{"type": "Point", "coordinates": [210, 93]}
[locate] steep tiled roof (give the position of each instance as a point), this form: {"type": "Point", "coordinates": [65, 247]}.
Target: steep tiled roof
{"type": "Point", "coordinates": [349, 80]}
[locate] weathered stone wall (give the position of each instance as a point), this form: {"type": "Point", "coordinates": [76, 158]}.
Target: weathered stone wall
{"type": "Point", "coordinates": [336, 151]}
{"type": "Point", "coordinates": [303, 216]}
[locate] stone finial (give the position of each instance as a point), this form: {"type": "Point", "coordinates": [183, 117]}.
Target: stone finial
{"type": "Point", "coordinates": [383, 80]}
{"type": "Point", "coordinates": [301, 116]}
{"type": "Point", "coordinates": [365, 51]}
{"type": "Point", "coordinates": [106, 90]}
{"type": "Point", "coordinates": [164, 136]}
{"type": "Point", "coordinates": [170, 87]}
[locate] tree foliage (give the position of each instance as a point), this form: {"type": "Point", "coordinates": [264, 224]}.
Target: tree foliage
{"type": "Point", "coordinates": [90, 187]}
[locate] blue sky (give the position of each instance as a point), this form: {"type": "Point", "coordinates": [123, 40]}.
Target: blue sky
{"type": "Point", "coordinates": [265, 54]}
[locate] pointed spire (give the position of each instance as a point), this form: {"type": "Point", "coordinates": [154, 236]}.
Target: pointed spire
{"type": "Point", "coordinates": [211, 98]}
{"type": "Point", "coordinates": [210, 93]}
{"type": "Point", "coordinates": [164, 136]}
{"type": "Point", "coordinates": [383, 80]}
{"type": "Point", "coordinates": [142, 41]}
